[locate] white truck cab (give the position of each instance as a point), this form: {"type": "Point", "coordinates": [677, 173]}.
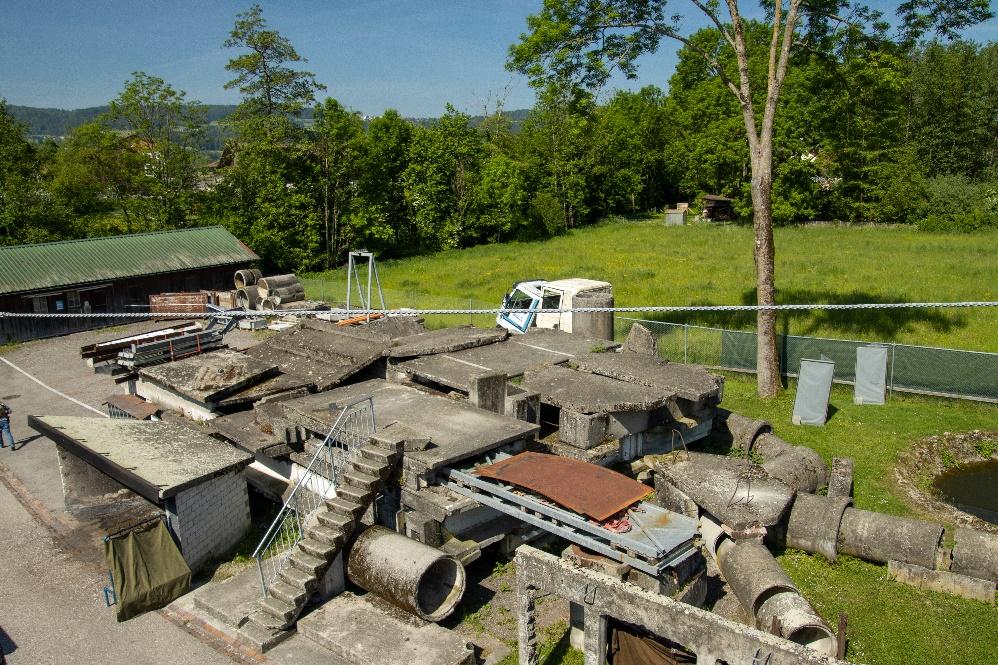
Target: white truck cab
{"type": "Point", "coordinates": [540, 294]}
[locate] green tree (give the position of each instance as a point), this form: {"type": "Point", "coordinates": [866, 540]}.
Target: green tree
{"type": "Point", "coordinates": [166, 130]}
{"type": "Point", "coordinates": [268, 86]}
{"type": "Point", "coordinates": [380, 219]}
{"type": "Point", "coordinates": [338, 144]}
{"type": "Point", "coordinates": [583, 42]}
{"type": "Point", "coordinates": [27, 213]}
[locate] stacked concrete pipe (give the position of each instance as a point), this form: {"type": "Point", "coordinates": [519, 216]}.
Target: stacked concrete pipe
{"type": "Point", "coordinates": [410, 575]}
{"type": "Point", "coordinates": [764, 589]}
{"type": "Point", "coordinates": [275, 282]}
{"type": "Point", "coordinates": [248, 297]}
{"type": "Point", "coordinates": [247, 277]}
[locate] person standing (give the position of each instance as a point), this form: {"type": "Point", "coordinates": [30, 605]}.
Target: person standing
{"type": "Point", "coordinates": [5, 435]}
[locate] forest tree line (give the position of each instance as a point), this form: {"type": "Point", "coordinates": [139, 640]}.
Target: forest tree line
{"type": "Point", "coordinates": [879, 133]}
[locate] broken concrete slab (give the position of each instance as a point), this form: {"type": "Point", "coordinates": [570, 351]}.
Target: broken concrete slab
{"type": "Point", "coordinates": [840, 479]}
{"type": "Point", "coordinates": [242, 429]}
{"type": "Point", "coordinates": [156, 460]}
{"type": "Point", "coordinates": [384, 329]}
{"type": "Point", "coordinates": [735, 491]}
{"type": "Point", "coordinates": [641, 340]}
{"type": "Point", "coordinates": [690, 382]}
{"type": "Point", "coordinates": [942, 581]}
{"type": "Point", "coordinates": [210, 377]}
{"type": "Point", "coordinates": [584, 392]}
{"type": "Point", "coordinates": [323, 358]}
{"type": "Point", "coordinates": [275, 385]}
{"type": "Point", "coordinates": [363, 632]}
{"type": "Point", "coordinates": [445, 340]}
{"type": "Point", "coordinates": [457, 431]}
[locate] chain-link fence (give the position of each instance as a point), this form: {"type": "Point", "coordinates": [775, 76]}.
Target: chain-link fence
{"type": "Point", "coordinates": [916, 369]}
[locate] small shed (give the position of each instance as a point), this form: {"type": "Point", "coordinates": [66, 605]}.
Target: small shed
{"type": "Point", "coordinates": [114, 274]}
{"type": "Point", "coordinates": [718, 208]}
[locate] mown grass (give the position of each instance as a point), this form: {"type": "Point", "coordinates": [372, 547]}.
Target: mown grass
{"type": "Point", "coordinates": [889, 623]}
{"type": "Point", "coordinates": [651, 264]}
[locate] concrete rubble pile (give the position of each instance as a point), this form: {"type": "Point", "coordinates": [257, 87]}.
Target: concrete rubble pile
{"type": "Point", "coordinates": [420, 497]}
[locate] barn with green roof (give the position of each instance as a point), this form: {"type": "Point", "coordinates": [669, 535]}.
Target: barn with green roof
{"type": "Point", "coordinates": [113, 274]}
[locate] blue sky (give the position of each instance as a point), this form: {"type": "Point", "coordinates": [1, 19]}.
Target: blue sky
{"type": "Point", "coordinates": [412, 55]}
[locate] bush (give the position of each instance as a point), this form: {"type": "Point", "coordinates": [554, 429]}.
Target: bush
{"type": "Point", "coordinates": [955, 203]}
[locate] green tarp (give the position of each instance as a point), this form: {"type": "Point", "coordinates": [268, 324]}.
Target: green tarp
{"type": "Point", "coordinates": [148, 570]}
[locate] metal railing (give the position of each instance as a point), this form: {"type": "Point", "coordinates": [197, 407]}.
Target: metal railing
{"type": "Point", "coordinates": [915, 369]}
{"type": "Point", "coordinates": [317, 482]}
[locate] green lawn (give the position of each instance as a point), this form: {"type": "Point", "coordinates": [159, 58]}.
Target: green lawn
{"type": "Point", "coordinates": [651, 264]}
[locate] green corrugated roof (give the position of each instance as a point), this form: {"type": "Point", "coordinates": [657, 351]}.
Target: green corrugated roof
{"type": "Point", "coordinates": [72, 262]}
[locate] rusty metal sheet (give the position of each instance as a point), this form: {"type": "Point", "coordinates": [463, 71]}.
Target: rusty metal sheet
{"type": "Point", "coordinates": [585, 488]}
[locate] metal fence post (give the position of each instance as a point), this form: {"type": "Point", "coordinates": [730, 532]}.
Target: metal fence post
{"type": "Point", "coordinates": [890, 390]}
{"type": "Point", "coordinates": [686, 343]}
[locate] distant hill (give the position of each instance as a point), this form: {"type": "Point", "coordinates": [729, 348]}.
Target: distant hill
{"type": "Point", "coordinates": [45, 123]}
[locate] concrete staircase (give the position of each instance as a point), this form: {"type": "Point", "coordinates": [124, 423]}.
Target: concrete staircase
{"type": "Point", "coordinates": [325, 536]}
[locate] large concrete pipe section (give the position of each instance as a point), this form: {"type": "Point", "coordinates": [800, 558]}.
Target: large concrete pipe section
{"type": "Point", "coordinates": [768, 446]}
{"type": "Point", "coordinates": [593, 325]}
{"type": "Point", "coordinates": [878, 537]}
{"type": "Point", "coordinates": [814, 524]}
{"type": "Point", "coordinates": [741, 430]}
{"type": "Point", "coordinates": [799, 468]}
{"type": "Point", "coordinates": [268, 284]}
{"type": "Point", "coordinates": [764, 589]}
{"type": "Point", "coordinates": [287, 294]}
{"type": "Point", "coordinates": [248, 297]}
{"type": "Point", "coordinates": [975, 553]}
{"type": "Point", "coordinates": [248, 277]}
{"type": "Point", "coordinates": [416, 577]}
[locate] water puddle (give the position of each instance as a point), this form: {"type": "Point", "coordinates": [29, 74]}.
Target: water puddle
{"type": "Point", "coordinates": [973, 488]}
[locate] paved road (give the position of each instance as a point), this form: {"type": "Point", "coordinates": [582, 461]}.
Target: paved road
{"type": "Point", "coordinates": [51, 614]}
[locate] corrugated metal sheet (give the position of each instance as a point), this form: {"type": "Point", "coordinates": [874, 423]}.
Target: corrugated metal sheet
{"type": "Point", "coordinates": [580, 486]}
{"type": "Point", "coordinates": [75, 262]}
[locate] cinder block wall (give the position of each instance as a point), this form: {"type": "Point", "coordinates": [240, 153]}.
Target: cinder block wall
{"type": "Point", "coordinates": [210, 518]}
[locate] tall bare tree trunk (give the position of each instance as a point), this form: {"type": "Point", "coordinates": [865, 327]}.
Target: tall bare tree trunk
{"type": "Point", "coordinates": [764, 252]}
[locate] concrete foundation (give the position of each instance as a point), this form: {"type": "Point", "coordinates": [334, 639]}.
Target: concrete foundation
{"type": "Point", "coordinates": [415, 577]}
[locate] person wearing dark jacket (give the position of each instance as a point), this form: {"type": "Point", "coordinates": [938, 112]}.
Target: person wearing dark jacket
{"type": "Point", "coordinates": [5, 435]}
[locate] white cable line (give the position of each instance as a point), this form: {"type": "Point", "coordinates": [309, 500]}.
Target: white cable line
{"type": "Point", "coordinates": [48, 387]}
{"type": "Point", "coordinates": [420, 312]}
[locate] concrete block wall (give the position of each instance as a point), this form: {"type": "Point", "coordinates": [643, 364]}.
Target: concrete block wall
{"type": "Point", "coordinates": [210, 518]}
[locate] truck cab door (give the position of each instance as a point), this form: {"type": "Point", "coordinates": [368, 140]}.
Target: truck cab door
{"type": "Point", "coordinates": [550, 299]}
{"type": "Point", "coordinates": [518, 322]}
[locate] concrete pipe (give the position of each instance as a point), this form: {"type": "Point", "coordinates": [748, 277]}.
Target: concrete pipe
{"type": "Point", "coordinates": [764, 589]}
{"type": "Point", "coordinates": [814, 524]}
{"type": "Point", "coordinates": [248, 277]}
{"type": "Point", "coordinates": [248, 297]}
{"type": "Point", "coordinates": [741, 430]}
{"type": "Point", "coordinates": [287, 294]}
{"type": "Point", "coordinates": [413, 576]}
{"type": "Point", "coordinates": [593, 325]}
{"type": "Point", "coordinates": [878, 537]}
{"type": "Point", "coordinates": [798, 621]}
{"type": "Point", "coordinates": [268, 305]}
{"type": "Point", "coordinates": [800, 468]}
{"type": "Point", "coordinates": [769, 446]}
{"type": "Point", "coordinates": [267, 284]}
{"type": "Point", "coordinates": [975, 554]}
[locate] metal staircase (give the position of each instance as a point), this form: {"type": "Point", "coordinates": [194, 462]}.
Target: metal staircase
{"type": "Point", "coordinates": [318, 517]}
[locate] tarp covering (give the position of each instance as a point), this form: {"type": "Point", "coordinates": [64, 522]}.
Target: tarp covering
{"type": "Point", "coordinates": [148, 570]}
{"type": "Point", "coordinates": [871, 374]}
{"type": "Point", "coordinates": [813, 389]}
{"type": "Point", "coordinates": [632, 646]}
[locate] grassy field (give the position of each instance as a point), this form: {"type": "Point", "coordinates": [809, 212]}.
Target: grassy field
{"type": "Point", "coordinates": [651, 264]}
